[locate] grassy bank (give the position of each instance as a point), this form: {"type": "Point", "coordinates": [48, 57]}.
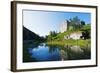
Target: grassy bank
{"type": "Point", "coordinates": [70, 42]}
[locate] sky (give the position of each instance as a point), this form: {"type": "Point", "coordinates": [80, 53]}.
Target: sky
{"type": "Point", "coordinates": [42, 22]}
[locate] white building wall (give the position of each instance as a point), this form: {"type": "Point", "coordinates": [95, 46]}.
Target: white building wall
{"type": "Point", "coordinates": [75, 36]}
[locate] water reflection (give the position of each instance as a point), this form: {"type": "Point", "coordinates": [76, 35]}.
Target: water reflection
{"type": "Point", "coordinates": [44, 52]}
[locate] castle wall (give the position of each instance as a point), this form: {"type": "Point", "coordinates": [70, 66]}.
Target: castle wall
{"type": "Point", "coordinates": [63, 26]}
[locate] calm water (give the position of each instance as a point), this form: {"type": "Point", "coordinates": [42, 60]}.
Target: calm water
{"type": "Point", "coordinates": [43, 52]}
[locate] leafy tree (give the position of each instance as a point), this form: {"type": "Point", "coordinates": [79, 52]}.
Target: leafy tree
{"type": "Point", "coordinates": [85, 35]}
{"type": "Point", "coordinates": [82, 23]}
{"type": "Point", "coordinates": [52, 35]}
{"type": "Point", "coordinates": [75, 22]}
{"type": "Point", "coordinates": [86, 31]}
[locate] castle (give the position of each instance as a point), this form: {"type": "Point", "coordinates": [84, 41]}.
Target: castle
{"type": "Point", "coordinates": [64, 26]}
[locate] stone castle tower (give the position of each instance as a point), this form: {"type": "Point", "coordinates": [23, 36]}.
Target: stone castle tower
{"type": "Point", "coordinates": [64, 26]}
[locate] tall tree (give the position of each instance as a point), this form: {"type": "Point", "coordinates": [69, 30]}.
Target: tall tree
{"type": "Point", "coordinates": [75, 22]}
{"type": "Point", "coordinates": [82, 24]}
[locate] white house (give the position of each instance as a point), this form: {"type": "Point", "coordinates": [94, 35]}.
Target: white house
{"type": "Point", "coordinates": [75, 36]}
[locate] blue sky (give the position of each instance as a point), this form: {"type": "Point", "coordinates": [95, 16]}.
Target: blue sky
{"type": "Point", "coordinates": [42, 22]}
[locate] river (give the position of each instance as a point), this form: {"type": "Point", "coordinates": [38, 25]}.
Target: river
{"type": "Point", "coordinates": [44, 52]}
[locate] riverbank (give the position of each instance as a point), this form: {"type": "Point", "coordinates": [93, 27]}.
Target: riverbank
{"type": "Point", "coordinates": [81, 42]}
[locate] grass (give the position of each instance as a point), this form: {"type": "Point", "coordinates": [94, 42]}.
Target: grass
{"type": "Point", "coordinates": [81, 42]}
{"type": "Point", "coordinates": [60, 36]}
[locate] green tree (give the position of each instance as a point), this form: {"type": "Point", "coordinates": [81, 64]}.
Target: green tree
{"type": "Point", "coordinates": [53, 33]}
{"type": "Point", "coordinates": [51, 36]}
{"type": "Point", "coordinates": [82, 23]}
{"type": "Point", "coordinates": [86, 31]}
{"type": "Point", "coordinates": [75, 23]}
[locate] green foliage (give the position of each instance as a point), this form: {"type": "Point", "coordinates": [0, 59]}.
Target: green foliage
{"type": "Point", "coordinates": [75, 23]}
{"type": "Point", "coordinates": [86, 31]}
{"type": "Point", "coordinates": [53, 33]}
{"type": "Point", "coordinates": [82, 23]}
{"type": "Point", "coordinates": [51, 36]}
{"type": "Point", "coordinates": [86, 27]}
{"type": "Point", "coordinates": [81, 43]}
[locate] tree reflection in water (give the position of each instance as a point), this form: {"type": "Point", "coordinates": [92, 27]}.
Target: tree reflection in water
{"type": "Point", "coordinates": [43, 52]}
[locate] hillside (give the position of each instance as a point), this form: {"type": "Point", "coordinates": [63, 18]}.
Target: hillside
{"type": "Point", "coordinates": [29, 35]}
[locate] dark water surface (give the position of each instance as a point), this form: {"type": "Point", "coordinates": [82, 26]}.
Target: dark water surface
{"type": "Point", "coordinates": [43, 52]}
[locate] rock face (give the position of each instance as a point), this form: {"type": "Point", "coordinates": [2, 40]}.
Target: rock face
{"type": "Point", "coordinates": [29, 35]}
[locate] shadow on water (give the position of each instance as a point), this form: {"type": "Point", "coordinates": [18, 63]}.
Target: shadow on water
{"type": "Point", "coordinates": [38, 52]}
